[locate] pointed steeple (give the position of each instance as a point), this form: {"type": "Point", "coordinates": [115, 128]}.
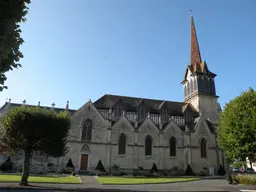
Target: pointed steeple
{"type": "Point", "coordinates": [195, 57]}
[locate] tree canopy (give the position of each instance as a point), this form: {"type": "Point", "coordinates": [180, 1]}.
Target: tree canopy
{"type": "Point", "coordinates": [237, 127]}
{"type": "Point", "coordinates": [31, 129]}
{"type": "Point", "coordinates": [12, 12]}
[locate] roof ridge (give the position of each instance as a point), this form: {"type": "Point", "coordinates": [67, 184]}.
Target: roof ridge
{"type": "Point", "coordinates": [142, 98]}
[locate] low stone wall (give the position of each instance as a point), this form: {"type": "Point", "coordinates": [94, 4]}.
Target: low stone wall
{"type": "Point", "coordinates": [39, 164]}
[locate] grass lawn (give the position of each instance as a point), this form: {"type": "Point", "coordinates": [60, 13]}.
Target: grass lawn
{"type": "Point", "coordinates": [41, 179]}
{"type": "Point", "coordinates": [129, 181]}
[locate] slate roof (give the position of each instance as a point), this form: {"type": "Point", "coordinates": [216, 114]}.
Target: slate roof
{"type": "Point", "coordinates": [131, 104]}
{"type": "Point", "coordinates": [210, 125]}
{"type": "Point", "coordinates": [192, 125]}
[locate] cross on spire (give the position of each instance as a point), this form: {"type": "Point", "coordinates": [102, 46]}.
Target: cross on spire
{"type": "Point", "coordinates": [53, 104]}
{"type": "Point", "coordinates": [24, 101]}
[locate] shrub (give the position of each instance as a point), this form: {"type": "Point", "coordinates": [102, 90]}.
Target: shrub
{"type": "Point", "coordinates": [69, 167]}
{"type": "Point", "coordinates": [50, 164]}
{"type": "Point", "coordinates": [100, 167]}
{"type": "Point", "coordinates": [70, 164]}
{"type": "Point", "coordinates": [221, 171]}
{"type": "Point", "coordinates": [117, 174]}
{"type": "Point", "coordinates": [154, 169]}
{"type": "Point", "coordinates": [60, 171]}
{"type": "Point", "coordinates": [174, 168]}
{"type": "Point", "coordinates": [246, 179]}
{"type": "Point", "coordinates": [73, 173]}
{"type": "Point", "coordinates": [135, 172]}
{"type": "Point", "coordinates": [7, 165]}
{"type": "Point", "coordinates": [67, 170]}
{"type": "Point", "coordinates": [202, 173]}
{"type": "Point", "coordinates": [115, 167]}
{"type": "Point", "coordinates": [123, 173]}
{"type": "Point", "coordinates": [189, 171]}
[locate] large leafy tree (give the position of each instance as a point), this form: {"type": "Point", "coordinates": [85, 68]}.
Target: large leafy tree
{"type": "Point", "coordinates": [12, 12]}
{"type": "Point", "coordinates": [30, 130]}
{"type": "Point", "coordinates": [237, 128]}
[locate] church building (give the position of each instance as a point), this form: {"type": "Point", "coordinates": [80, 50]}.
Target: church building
{"type": "Point", "coordinates": [131, 132]}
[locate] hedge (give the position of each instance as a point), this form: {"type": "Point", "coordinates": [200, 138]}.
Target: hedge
{"type": "Point", "coordinates": [246, 179]}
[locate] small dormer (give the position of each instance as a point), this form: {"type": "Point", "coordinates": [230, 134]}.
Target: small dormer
{"type": "Point", "coordinates": [163, 112]}
{"type": "Point", "coordinates": [188, 113]}
{"type": "Point", "coordinates": [118, 108]}
{"type": "Point", "coordinates": [141, 111]}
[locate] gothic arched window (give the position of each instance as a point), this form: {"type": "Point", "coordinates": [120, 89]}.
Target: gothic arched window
{"type": "Point", "coordinates": [148, 145]}
{"type": "Point", "coordinates": [203, 148]}
{"type": "Point", "coordinates": [172, 146]}
{"type": "Point", "coordinates": [122, 144]}
{"type": "Point", "coordinates": [87, 130]}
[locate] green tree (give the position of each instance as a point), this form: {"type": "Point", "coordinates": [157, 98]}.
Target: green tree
{"type": "Point", "coordinates": [30, 130]}
{"type": "Point", "coordinates": [12, 12]}
{"type": "Point", "coordinates": [237, 127]}
{"type": "Point", "coordinates": [239, 164]}
{"type": "Point", "coordinates": [252, 159]}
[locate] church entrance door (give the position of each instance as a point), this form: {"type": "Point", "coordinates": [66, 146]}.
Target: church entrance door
{"type": "Point", "coordinates": [84, 162]}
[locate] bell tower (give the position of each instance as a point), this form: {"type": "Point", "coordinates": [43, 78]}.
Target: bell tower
{"type": "Point", "coordinates": [198, 82]}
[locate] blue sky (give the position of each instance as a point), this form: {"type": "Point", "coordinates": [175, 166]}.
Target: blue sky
{"type": "Point", "coordinates": [83, 49]}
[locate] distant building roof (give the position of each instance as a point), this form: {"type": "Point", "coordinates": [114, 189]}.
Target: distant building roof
{"type": "Point", "coordinates": [57, 110]}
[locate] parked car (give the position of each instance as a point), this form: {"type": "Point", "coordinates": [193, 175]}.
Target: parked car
{"type": "Point", "coordinates": [249, 170]}
{"type": "Point", "coordinates": [235, 170]}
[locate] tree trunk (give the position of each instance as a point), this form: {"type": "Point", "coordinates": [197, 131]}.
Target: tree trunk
{"type": "Point", "coordinates": [250, 160]}
{"type": "Point", "coordinates": [25, 171]}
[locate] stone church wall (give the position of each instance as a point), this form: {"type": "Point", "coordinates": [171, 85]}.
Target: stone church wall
{"type": "Point", "coordinates": [177, 161]}
{"type": "Point", "coordinates": [147, 161]}
{"type": "Point", "coordinates": [209, 106]}
{"type": "Point", "coordinates": [125, 161]}
{"type": "Point", "coordinates": [199, 163]}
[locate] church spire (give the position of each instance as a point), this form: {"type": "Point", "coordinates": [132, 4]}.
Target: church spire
{"type": "Point", "coordinates": [195, 57]}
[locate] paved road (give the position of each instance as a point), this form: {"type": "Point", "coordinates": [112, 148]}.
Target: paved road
{"type": "Point", "coordinates": [92, 186]}
{"type": "Point", "coordinates": [199, 185]}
